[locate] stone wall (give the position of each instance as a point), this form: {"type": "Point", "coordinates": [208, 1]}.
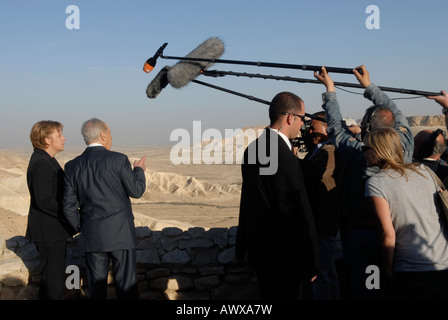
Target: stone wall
{"type": "Point", "coordinates": [172, 264]}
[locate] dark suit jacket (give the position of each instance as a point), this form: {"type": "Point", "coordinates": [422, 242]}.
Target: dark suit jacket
{"type": "Point", "coordinates": [441, 170]}
{"type": "Point", "coordinates": [45, 179]}
{"type": "Point", "coordinates": [99, 182]}
{"type": "Point", "coordinates": [275, 223]}
{"type": "Point", "coordinates": [322, 170]}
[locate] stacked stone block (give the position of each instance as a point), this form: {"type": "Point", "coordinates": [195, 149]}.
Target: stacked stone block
{"type": "Point", "coordinates": [172, 264]}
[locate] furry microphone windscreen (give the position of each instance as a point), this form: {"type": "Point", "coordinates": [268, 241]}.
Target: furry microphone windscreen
{"type": "Point", "coordinates": [160, 81]}
{"type": "Point", "coordinates": [185, 71]}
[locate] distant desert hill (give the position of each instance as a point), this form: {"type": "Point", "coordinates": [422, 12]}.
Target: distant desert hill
{"type": "Point", "coordinates": [14, 195]}
{"type": "Point", "coordinates": [426, 121]}
{"type": "Point", "coordinates": [13, 189]}
{"type": "Point", "coordinates": [419, 123]}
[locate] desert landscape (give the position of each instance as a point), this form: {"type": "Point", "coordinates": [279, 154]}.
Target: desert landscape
{"type": "Point", "coordinates": [183, 195]}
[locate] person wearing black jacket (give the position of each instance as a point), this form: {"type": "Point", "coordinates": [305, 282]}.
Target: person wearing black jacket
{"type": "Point", "coordinates": [47, 226]}
{"type": "Point", "coordinates": [322, 169]}
{"type": "Point", "coordinates": [98, 184]}
{"type": "Point", "coordinates": [276, 232]}
{"type": "Point", "coordinates": [429, 147]}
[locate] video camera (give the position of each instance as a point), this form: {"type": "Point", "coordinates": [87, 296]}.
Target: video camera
{"type": "Point", "coordinates": [304, 142]}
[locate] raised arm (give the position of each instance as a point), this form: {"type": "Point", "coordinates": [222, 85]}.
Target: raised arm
{"type": "Point", "coordinates": [443, 101]}
{"type": "Point", "coordinates": [379, 98]}
{"type": "Point", "coordinates": [339, 135]}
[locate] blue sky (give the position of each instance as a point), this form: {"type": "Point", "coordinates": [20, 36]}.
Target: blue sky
{"type": "Point", "coordinates": [50, 72]}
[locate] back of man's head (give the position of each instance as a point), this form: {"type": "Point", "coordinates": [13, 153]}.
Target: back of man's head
{"type": "Point", "coordinates": [377, 117]}
{"type": "Point", "coordinates": [320, 115]}
{"type": "Point", "coordinates": [91, 130]}
{"type": "Point", "coordinates": [429, 144]}
{"type": "Point", "coordinates": [284, 102]}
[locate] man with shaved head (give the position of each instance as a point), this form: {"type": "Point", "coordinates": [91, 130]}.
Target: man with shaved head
{"type": "Point", "coordinates": [429, 146]}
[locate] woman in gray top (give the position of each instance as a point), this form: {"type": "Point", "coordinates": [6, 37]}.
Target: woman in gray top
{"type": "Point", "coordinates": [414, 231]}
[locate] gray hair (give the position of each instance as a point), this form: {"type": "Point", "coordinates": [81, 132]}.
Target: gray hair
{"type": "Point", "coordinates": [439, 148]}
{"type": "Point", "coordinates": [382, 117]}
{"type": "Point", "coordinates": [91, 130]}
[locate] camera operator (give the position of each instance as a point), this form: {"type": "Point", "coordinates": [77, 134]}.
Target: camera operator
{"type": "Point", "coordinates": [443, 101]}
{"type": "Point", "coordinates": [359, 227]}
{"type": "Point", "coordinates": [321, 169]}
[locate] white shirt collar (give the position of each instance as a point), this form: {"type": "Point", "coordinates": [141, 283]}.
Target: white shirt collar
{"type": "Point", "coordinates": [95, 144]}
{"type": "Point", "coordinates": [284, 138]}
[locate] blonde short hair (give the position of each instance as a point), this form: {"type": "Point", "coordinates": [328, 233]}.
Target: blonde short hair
{"type": "Point", "coordinates": [42, 130]}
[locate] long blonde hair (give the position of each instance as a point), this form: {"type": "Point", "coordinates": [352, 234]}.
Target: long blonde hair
{"type": "Point", "coordinates": [389, 154]}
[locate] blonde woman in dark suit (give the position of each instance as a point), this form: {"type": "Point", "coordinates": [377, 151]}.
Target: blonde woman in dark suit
{"type": "Point", "coordinates": [47, 227]}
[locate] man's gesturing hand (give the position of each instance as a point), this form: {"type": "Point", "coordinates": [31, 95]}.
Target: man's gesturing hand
{"type": "Point", "coordinates": [140, 163]}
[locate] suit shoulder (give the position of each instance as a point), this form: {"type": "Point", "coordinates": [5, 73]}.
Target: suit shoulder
{"type": "Point", "coordinates": [117, 156]}
{"type": "Point", "coordinates": [69, 163]}
{"type": "Point", "coordinates": [38, 160]}
{"type": "Point", "coordinates": [73, 162]}
{"type": "Point", "coordinates": [116, 159]}
{"type": "Point", "coordinates": [75, 159]}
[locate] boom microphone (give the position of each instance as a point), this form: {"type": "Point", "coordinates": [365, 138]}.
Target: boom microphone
{"type": "Point", "coordinates": [183, 72]}
{"type": "Point", "coordinates": [159, 82]}
{"type": "Point", "coordinates": [151, 62]}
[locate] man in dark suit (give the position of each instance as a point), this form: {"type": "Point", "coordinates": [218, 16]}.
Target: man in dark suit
{"type": "Point", "coordinates": [98, 184]}
{"type": "Point", "coordinates": [276, 232]}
